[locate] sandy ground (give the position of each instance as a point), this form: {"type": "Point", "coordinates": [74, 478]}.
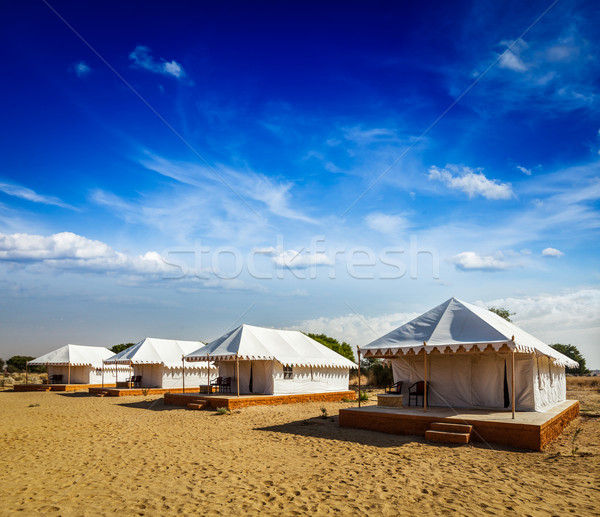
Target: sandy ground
{"type": "Point", "coordinates": [73, 454]}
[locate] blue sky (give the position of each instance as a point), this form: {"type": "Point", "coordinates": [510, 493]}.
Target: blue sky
{"type": "Point", "coordinates": [175, 169]}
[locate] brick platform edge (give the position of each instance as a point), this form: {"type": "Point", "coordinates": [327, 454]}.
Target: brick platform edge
{"type": "Point", "coordinates": [137, 392]}
{"type": "Point", "coordinates": [267, 400]}
{"type": "Point", "coordinates": [523, 436]}
{"type": "Point", "coordinates": [56, 387]}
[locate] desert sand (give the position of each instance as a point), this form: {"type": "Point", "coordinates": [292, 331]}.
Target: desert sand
{"type": "Point", "coordinates": [75, 454]}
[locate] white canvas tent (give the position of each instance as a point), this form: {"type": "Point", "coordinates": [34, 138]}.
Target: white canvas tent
{"type": "Point", "coordinates": [160, 363]}
{"type": "Point", "coordinates": [78, 364]}
{"type": "Point", "coordinates": [276, 362]}
{"type": "Point", "coordinates": [468, 354]}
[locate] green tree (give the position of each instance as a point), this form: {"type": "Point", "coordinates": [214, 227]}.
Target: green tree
{"type": "Point", "coordinates": [2, 363]}
{"type": "Point", "coordinates": [572, 352]}
{"type": "Point", "coordinates": [17, 363]}
{"type": "Point", "coordinates": [502, 312]}
{"type": "Point", "coordinates": [341, 348]}
{"type": "Point", "coordinates": [119, 348]}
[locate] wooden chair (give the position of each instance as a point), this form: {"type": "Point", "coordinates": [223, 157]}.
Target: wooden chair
{"type": "Point", "coordinates": [136, 381]}
{"type": "Point", "coordinates": [225, 386]}
{"type": "Point", "coordinates": [216, 382]}
{"type": "Point", "coordinates": [395, 388]}
{"type": "Point", "coordinates": [417, 390]}
{"type": "Point", "coordinates": [55, 379]}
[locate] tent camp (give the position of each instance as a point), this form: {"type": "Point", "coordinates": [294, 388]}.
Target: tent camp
{"type": "Point", "coordinates": [468, 355]}
{"type": "Point", "coordinates": [276, 362]}
{"type": "Point", "coordinates": [159, 363]}
{"type": "Point", "coordinates": [78, 364]}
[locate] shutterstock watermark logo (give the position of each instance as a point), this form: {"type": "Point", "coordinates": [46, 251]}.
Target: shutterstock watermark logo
{"type": "Point", "coordinates": [317, 260]}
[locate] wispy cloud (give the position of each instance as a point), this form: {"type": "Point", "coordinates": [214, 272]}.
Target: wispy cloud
{"type": "Point", "coordinates": [26, 193]}
{"type": "Point", "coordinates": [471, 181]}
{"type": "Point", "coordinates": [524, 170]}
{"type": "Point", "coordinates": [141, 57]}
{"type": "Point", "coordinates": [275, 195]}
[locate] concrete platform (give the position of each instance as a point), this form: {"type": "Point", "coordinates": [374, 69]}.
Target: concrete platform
{"type": "Point", "coordinates": [57, 387]}
{"type": "Point", "coordinates": [529, 430]}
{"type": "Point", "coordinates": [128, 392]}
{"type": "Point", "coordinates": [230, 402]}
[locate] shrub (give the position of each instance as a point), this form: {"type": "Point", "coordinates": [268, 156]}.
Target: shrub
{"type": "Point", "coordinates": [363, 397]}
{"type": "Point", "coordinates": [223, 411]}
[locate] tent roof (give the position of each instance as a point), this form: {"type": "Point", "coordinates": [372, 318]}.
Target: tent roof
{"type": "Point", "coordinates": [75, 355]}
{"type": "Point", "coordinates": [289, 347]}
{"type": "Point", "coordinates": [455, 323]}
{"type": "Point", "coordinates": [150, 350]}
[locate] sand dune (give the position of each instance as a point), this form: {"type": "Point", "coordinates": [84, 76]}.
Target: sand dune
{"type": "Point", "coordinates": [79, 455]}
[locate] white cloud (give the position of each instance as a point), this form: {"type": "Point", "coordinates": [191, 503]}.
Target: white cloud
{"type": "Point", "coordinates": [552, 252]}
{"type": "Point", "coordinates": [353, 328]}
{"type": "Point", "coordinates": [142, 58]}
{"type": "Point", "coordinates": [81, 69]}
{"type": "Point", "coordinates": [524, 170]}
{"type": "Point", "coordinates": [471, 261]}
{"type": "Point", "coordinates": [71, 251]}
{"type": "Point", "coordinates": [569, 317]}
{"type": "Point", "coordinates": [293, 259]}
{"type": "Point", "coordinates": [512, 62]}
{"type": "Point", "coordinates": [28, 194]}
{"type": "Point", "coordinates": [386, 223]}
{"type": "Point", "coordinates": [471, 182]}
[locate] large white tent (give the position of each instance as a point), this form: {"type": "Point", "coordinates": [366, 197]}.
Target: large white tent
{"type": "Point", "coordinates": [78, 364]}
{"type": "Point", "coordinates": [276, 362]}
{"type": "Point", "coordinates": [468, 354]}
{"type": "Point", "coordinates": [159, 362]}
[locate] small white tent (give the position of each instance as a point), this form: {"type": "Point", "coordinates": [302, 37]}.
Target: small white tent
{"type": "Point", "coordinates": [469, 353]}
{"type": "Point", "coordinates": [276, 362]}
{"type": "Point", "coordinates": [159, 362]}
{"type": "Point", "coordinates": [78, 364]}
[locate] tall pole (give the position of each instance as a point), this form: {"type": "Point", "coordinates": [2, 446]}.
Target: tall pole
{"type": "Point", "coordinates": [183, 372]}
{"type": "Point", "coordinates": [513, 383]}
{"type": "Point", "coordinates": [425, 380]}
{"type": "Point", "coordinates": [26, 373]}
{"type": "Point", "coordinates": [358, 354]}
{"type": "Point", "coordinates": [69, 373]}
{"type": "Point", "coordinates": [237, 373]}
{"type": "Point", "coordinates": [47, 373]}
{"type": "Point", "coordinates": [208, 389]}
{"type": "Point", "coordinates": [103, 373]}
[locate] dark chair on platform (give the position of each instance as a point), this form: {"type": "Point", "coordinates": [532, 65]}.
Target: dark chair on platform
{"type": "Point", "coordinates": [55, 379]}
{"type": "Point", "coordinates": [395, 388]}
{"type": "Point", "coordinates": [216, 382]}
{"type": "Point", "coordinates": [417, 390]}
{"type": "Point", "coordinates": [225, 386]}
{"type": "Point", "coordinates": [136, 381]}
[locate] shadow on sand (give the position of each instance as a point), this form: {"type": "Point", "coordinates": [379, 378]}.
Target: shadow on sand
{"type": "Point", "coordinates": [329, 429]}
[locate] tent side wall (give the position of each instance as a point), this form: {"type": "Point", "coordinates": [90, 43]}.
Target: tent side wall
{"type": "Point", "coordinates": [473, 380]}
{"type": "Point", "coordinates": [549, 383]}
{"type": "Point", "coordinates": [159, 376]}
{"type": "Point", "coordinates": [260, 371]}
{"type": "Point", "coordinates": [268, 378]}
{"type": "Point", "coordinates": [310, 380]}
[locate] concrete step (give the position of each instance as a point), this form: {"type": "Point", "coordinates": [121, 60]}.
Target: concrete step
{"type": "Point", "coordinates": [447, 437]}
{"type": "Point", "coordinates": [451, 427]}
